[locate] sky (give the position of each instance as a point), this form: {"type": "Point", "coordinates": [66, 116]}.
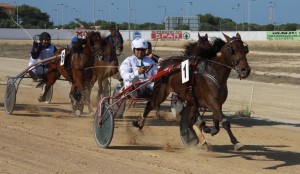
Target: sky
{"type": "Point", "coordinates": [254, 11]}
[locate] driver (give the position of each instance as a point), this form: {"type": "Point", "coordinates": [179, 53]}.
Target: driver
{"type": "Point", "coordinates": [40, 51]}
{"type": "Point", "coordinates": [138, 67]}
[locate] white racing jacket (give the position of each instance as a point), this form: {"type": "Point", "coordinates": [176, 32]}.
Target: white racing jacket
{"type": "Point", "coordinates": [44, 54]}
{"type": "Point", "coordinates": [129, 69]}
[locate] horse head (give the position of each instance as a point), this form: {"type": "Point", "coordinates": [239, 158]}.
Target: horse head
{"type": "Point", "coordinates": [201, 48]}
{"type": "Point", "coordinates": [204, 45]}
{"type": "Point", "coordinates": [236, 51]}
{"type": "Point", "coordinates": [116, 40]}
{"type": "Point", "coordinates": [94, 43]}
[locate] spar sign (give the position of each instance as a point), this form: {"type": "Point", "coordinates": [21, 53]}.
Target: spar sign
{"type": "Point", "coordinates": [166, 35]}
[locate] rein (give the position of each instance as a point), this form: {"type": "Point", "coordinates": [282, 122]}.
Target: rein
{"type": "Point", "coordinates": [200, 58]}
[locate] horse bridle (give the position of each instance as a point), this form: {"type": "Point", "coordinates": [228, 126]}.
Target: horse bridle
{"type": "Point", "coordinates": [97, 50]}
{"type": "Point", "coordinates": [230, 52]}
{"type": "Point", "coordinates": [116, 44]}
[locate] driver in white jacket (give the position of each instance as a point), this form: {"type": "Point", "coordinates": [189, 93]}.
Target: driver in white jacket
{"type": "Point", "coordinates": [138, 67]}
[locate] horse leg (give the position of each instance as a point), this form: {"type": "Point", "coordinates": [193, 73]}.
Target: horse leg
{"type": "Point", "coordinates": [100, 89]}
{"type": "Point", "coordinates": [72, 94]}
{"type": "Point", "coordinates": [189, 128]}
{"type": "Point", "coordinates": [226, 125]}
{"type": "Point", "coordinates": [50, 80]}
{"type": "Point", "coordinates": [202, 125]}
{"type": "Point", "coordinates": [159, 95]}
{"type": "Point", "coordinates": [87, 99]}
{"type": "Point", "coordinates": [198, 127]}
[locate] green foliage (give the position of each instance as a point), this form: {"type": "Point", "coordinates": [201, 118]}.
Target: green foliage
{"type": "Point", "coordinates": [182, 27]}
{"type": "Point", "coordinates": [32, 17]}
{"type": "Point", "coordinates": [244, 113]}
{"type": "Point", "coordinates": [3, 15]}
{"type": "Point", "coordinates": [289, 27]}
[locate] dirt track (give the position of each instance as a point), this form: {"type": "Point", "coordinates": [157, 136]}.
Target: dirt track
{"type": "Point", "coordinates": [48, 138]}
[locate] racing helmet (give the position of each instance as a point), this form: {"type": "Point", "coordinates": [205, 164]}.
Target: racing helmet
{"type": "Point", "coordinates": [139, 43]}
{"type": "Point", "coordinates": [45, 36]}
{"type": "Point", "coordinates": [74, 39]}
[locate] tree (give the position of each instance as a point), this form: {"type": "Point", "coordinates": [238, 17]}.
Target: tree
{"type": "Point", "coordinates": [182, 27]}
{"type": "Point", "coordinates": [32, 17]}
{"type": "Point", "coordinates": [290, 27]}
{"type": "Point", "coordinates": [5, 21]}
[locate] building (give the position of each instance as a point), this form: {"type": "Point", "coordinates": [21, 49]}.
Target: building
{"type": "Point", "coordinates": [172, 22]}
{"type": "Point", "coordinates": [8, 9]}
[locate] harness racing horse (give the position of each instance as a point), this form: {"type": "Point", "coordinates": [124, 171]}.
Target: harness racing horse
{"type": "Point", "coordinates": [200, 48]}
{"type": "Point", "coordinates": [80, 57]}
{"type": "Point", "coordinates": [207, 87]}
{"type": "Point", "coordinates": [107, 65]}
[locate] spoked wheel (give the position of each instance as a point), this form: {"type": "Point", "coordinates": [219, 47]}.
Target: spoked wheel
{"type": "Point", "coordinates": [103, 126]}
{"type": "Point", "coordinates": [188, 135]}
{"type": "Point", "coordinates": [49, 93]}
{"type": "Point", "coordinates": [176, 105]}
{"type": "Point", "coordinates": [119, 107]}
{"type": "Point", "coordinates": [10, 96]}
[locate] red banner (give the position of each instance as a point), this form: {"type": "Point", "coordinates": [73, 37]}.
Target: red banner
{"type": "Point", "coordinates": [166, 35]}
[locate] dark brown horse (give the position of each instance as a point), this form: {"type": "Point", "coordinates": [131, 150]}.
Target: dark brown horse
{"type": "Point", "coordinates": [81, 56]}
{"type": "Point", "coordinates": [107, 65]}
{"type": "Point", "coordinates": [207, 87]}
{"type": "Point", "coordinates": [200, 48]}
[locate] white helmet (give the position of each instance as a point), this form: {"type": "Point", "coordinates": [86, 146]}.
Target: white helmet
{"type": "Point", "coordinates": [139, 43]}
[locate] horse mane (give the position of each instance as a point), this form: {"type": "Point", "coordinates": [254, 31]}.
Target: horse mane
{"type": "Point", "coordinates": [189, 47]}
{"type": "Point", "coordinates": [77, 47]}
{"type": "Point", "coordinates": [217, 45]}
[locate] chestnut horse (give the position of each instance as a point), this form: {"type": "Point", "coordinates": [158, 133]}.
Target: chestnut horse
{"type": "Point", "coordinates": [81, 56]}
{"type": "Point", "coordinates": [207, 87]}
{"type": "Point", "coordinates": [107, 65]}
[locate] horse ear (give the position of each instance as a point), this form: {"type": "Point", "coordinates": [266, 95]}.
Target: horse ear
{"type": "Point", "coordinates": [238, 36]}
{"type": "Point", "coordinates": [226, 37]}
{"type": "Point", "coordinates": [206, 36]}
{"type": "Point", "coordinates": [199, 36]}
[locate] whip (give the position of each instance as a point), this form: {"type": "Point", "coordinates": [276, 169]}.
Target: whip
{"type": "Point", "coordinates": [19, 25]}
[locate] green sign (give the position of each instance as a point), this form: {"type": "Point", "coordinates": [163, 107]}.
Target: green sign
{"type": "Point", "coordinates": [283, 35]}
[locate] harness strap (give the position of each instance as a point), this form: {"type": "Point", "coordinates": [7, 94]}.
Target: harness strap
{"type": "Point", "coordinates": [108, 59]}
{"type": "Point", "coordinates": [212, 78]}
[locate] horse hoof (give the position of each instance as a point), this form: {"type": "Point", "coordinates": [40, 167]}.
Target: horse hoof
{"type": "Point", "coordinates": [77, 113]}
{"type": "Point", "coordinates": [91, 110]}
{"type": "Point", "coordinates": [214, 131]}
{"type": "Point", "coordinates": [136, 124]}
{"type": "Point", "coordinates": [239, 147]}
{"type": "Point", "coordinates": [207, 130]}
{"type": "Point", "coordinates": [41, 99]}
{"type": "Point", "coordinates": [205, 146]}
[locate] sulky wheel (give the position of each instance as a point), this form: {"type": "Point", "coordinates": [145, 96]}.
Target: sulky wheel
{"type": "Point", "coordinates": [10, 96]}
{"type": "Point", "coordinates": [103, 126]}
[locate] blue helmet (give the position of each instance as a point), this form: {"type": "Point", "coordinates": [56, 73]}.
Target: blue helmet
{"type": "Point", "coordinates": [74, 39]}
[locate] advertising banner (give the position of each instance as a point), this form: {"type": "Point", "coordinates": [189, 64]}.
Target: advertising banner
{"type": "Point", "coordinates": [166, 35]}
{"type": "Point", "coordinates": [283, 35]}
